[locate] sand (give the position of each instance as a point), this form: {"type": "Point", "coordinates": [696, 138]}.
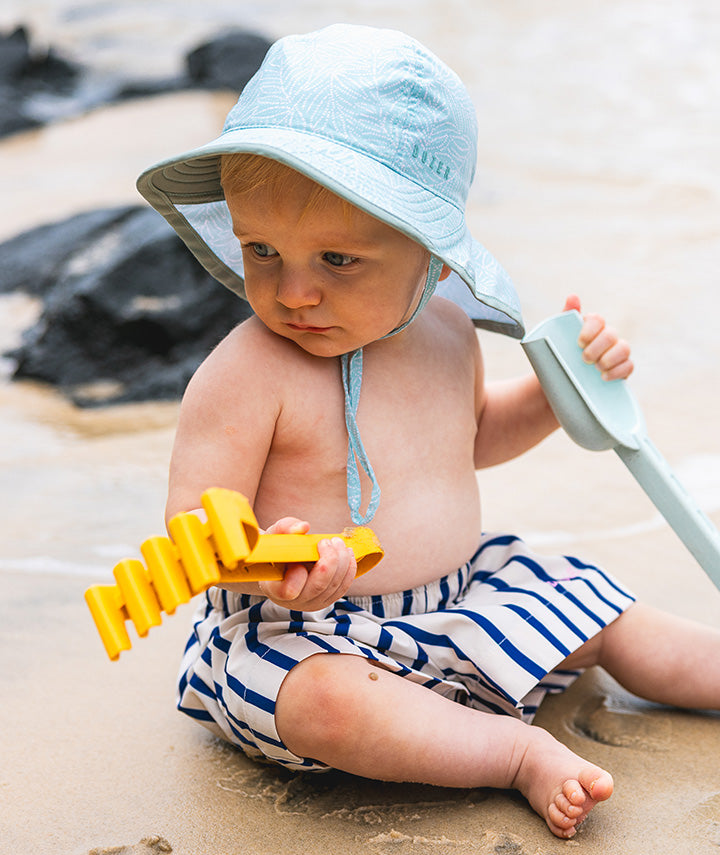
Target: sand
{"type": "Point", "coordinates": [94, 757]}
{"type": "Point", "coordinates": [96, 760]}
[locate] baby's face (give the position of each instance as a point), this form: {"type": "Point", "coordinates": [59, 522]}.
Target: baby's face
{"type": "Point", "coordinates": [331, 278]}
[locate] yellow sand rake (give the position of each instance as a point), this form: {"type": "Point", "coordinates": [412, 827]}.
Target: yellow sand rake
{"type": "Point", "coordinates": [228, 547]}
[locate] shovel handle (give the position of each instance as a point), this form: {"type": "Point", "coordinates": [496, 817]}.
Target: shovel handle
{"type": "Point", "coordinates": [691, 525]}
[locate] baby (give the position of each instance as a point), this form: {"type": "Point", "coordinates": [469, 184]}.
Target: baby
{"type": "Point", "coordinates": [334, 203]}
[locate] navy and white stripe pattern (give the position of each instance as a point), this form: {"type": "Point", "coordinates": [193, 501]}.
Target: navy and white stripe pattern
{"type": "Point", "coordinates": [491, 636]}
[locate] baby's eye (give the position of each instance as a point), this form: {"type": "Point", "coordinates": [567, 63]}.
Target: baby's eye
{"type": "Point", "coordinates": [337, 259]}
{"type": "Point", "coordinates": [263, 250]}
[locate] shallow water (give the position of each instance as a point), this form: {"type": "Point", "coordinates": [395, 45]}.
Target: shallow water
{"type": "Point", "coordinates": [597, 174]}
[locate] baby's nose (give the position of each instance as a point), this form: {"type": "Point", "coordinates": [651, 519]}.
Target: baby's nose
{"type": "Point", "coordinates": [298, 288]}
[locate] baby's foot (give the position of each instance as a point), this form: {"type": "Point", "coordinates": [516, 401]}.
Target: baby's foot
{"type": "Point", "coordinates": [561, 786]}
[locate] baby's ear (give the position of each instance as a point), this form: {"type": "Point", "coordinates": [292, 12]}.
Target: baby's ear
{"type": "Point", "coordinates": [445, 272]}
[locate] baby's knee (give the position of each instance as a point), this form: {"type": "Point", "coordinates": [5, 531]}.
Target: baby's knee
{"type": "Point", "coordinates": [315, 702]}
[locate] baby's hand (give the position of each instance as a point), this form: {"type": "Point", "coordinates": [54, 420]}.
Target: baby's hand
{"type": "Point", "coordinates": [316, 587]}
{"type": "Point", "coordinates": [602, 346]}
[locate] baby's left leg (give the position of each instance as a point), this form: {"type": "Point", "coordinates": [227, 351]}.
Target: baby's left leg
{"type": "Point", "coordinates": [658, 656]}
{"type": "Point", "coordinates": [352, 715]}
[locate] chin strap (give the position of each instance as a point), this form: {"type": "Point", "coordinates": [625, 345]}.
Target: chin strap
{"type": "Point", "coordinates": [351, 365]}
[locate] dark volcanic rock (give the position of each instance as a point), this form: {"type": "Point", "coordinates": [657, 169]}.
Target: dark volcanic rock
{"type": "Point", "coordinates": [228, 61]}
{"type": "Point", "coordinates": [26, 77]}
{"type": "Point", "coordinates": [34, 261]}
{"type": "Point", "coordinates": [39, 86]}
{"type": "Point", "coordinates": [33, 71]}
{"type": "Point", "coordinates": [225, 62]}
{"type": "Point", "coordinates": [14, 116]}
{"type": "Point", "coordinates": [129, 313]}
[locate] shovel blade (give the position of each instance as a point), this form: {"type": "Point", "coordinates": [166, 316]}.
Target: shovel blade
{"type": "Point", "coordinates": [595, 413]}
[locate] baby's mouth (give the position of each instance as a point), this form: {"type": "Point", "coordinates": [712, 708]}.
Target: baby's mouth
{"type": "Point", "coordinates": [307, 328]}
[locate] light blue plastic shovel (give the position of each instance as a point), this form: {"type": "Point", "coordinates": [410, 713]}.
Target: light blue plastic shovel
{"type": "Point", "coordinates": [600, 414]}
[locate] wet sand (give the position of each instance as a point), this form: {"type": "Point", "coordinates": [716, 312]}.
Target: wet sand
{"type": "Point", "coordinates": [94, 757]}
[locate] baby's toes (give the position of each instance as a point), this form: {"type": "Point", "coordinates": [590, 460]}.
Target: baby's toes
{"type": "Point", "coordinates": [559, 818]}
{"type": "Point", "coordinates": [567, 807]}
{"type": "Point", "coordinates": [597, 783]}
{"type": "Point", "coordinates": [574, 792]}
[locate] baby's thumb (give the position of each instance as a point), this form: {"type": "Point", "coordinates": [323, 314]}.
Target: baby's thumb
{"type": "Point", "coordinates": [289, 525]}
{"type": "Point", "coordinates": [572, 302]}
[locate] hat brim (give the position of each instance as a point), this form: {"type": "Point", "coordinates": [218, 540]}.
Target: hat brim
{"type": "Point", "coordinates": [186, 190]}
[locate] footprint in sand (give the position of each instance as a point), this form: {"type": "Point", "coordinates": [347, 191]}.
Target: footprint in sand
{"type": "Point", "coordinates": [623, 723]}
{"type": "Point", "coordinates": [154, 845]}
{"type": "Point", "coordinates": [335, 794]}
{"type": "Point", "coordinates": [491, 843]}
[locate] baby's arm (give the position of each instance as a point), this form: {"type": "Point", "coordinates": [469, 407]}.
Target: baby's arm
{"type": "Point", "coordinates": [515, 415]}
{"type": "Point", "coordinates": [227, 421]}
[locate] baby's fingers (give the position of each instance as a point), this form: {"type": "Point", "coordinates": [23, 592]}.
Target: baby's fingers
{"type": "Point", "coordinates": [289, 588]}
{"type": "Point", "coordinates": [289, 525]}
{"type": "Point", "coordinates": [615, 363]}
{"type": "Point", "coordinates": [332, 574]}
{"type": "Point", "coordinates": [593, 328]}
{"type": "Point", "coordinates": [308, 589]}
{"type": "Point", "coordinates": [603, 348]}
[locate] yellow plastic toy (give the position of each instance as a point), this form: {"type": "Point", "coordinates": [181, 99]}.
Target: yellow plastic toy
{"type": "Point", "coordinates": [226, 548]}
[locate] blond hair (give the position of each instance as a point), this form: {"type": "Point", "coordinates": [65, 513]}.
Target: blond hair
{"type": "Point", "coordinates": [244, 173]}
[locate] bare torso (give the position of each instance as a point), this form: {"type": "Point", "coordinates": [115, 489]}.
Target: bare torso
{"type": "Point", "coordinates": [273, 427]}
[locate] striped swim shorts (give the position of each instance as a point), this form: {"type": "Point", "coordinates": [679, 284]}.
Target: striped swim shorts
{"type": "Point", "coordinates": [490, 635]}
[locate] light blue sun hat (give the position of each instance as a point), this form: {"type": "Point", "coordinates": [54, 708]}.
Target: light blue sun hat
{"type": "Point", "coordinates": [380, 121]}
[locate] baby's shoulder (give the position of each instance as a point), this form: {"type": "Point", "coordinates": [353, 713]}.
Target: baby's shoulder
{"type": "Point", "coordinates": [250, 336]}
{"type": "Point", "coordinates": [447, 321]}
{"type": "Point", "coordinates": [258, 360]}
{"type": "Point", "coordinates": [252, 344]}
{"type": "Point", "coordinates": [250, 369]}
{"type": "Point", "coordinates": [449, 313]}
